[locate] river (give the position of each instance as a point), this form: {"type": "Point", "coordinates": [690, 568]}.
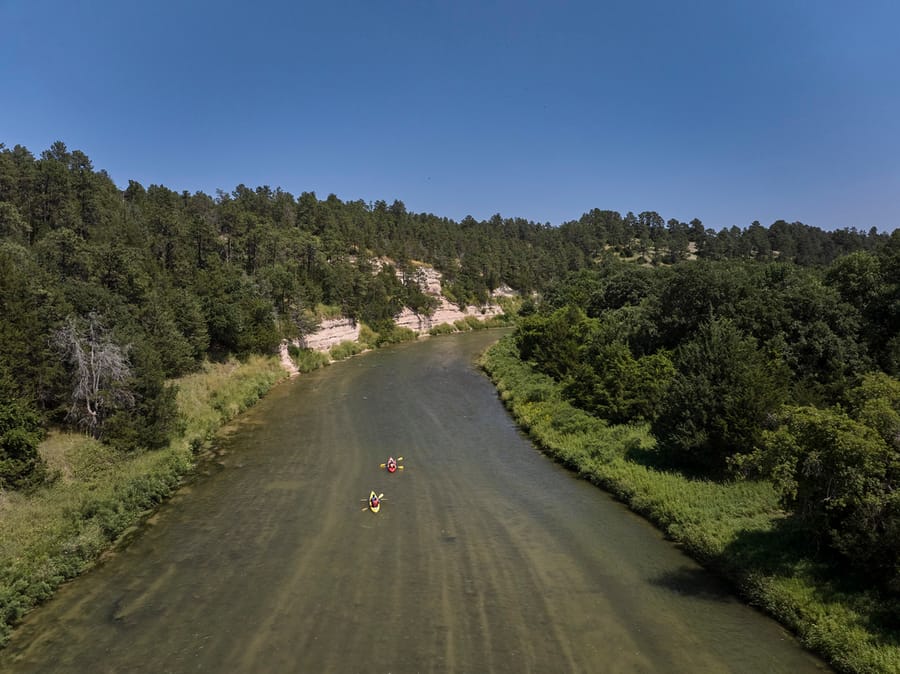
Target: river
{"type": "Point", "coordinates": [485, 556]}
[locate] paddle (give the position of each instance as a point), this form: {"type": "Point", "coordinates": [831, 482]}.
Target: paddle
{"type": "Point", "coordinates": [399, 459]}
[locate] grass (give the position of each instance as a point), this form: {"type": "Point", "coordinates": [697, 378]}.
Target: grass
{"type": "Point", "coordinates": [345, 350]}
{"type": "Point", "coordinates": [734, 528]}
{"type": "Point", "coordinates": [442, 329]}
{"type": "Point", "coordinates": [308, 360]}
{"type": "Point", "coordinates": [99, 494]}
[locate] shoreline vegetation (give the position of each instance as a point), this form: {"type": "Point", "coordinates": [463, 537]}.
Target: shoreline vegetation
{"type": "Point", "coordinates": [98, 497]}
{"type": "Point", "coordinates": [101, 497]}
{"type": "Point", "coordinates": [735, 529]}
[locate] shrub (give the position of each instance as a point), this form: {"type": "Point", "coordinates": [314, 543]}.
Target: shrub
{"type": "Point", "coordinates": [346, 349]}
{"type": "Point", "coordinates": [21, 465]}
{"type": "Point", "coordinates": [368, 336]}
{"type": "Point", "coordinates": [442, 329]}
{"type": "Point", "coordinates": [395, 335]}
{"type": "Point", "coordinates": [308, 360]}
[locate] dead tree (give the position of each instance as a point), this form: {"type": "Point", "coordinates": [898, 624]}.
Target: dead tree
{"type": "Point", "coordinates": [101, 372]}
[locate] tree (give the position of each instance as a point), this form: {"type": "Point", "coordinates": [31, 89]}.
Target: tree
{"type": "Point", "coordinates": [100, 372]}
{"type": "Point", "coordinates": [718, 403]}
{"type": "Point", "coordinates": [153, 419]}
{"type": "Point", "coordinates": [838, 477]}
{"type": "Point", "coordinates": [21, 466]}
{"type": "Point", "coordinates": [12, 225]}
{"type": "Point", "coordinates": [553, 343]}
{"type": "Point", "coordinates": [610, 382]}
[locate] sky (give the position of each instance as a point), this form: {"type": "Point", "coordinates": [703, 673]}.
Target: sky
{"type": "Point", "coordinates": [729, 111]}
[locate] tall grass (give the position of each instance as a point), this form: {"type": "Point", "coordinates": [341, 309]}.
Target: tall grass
{"type": "Point", "coordinates": [346, 349]}
{"type": "Point", "coordinates": [100, 494]}
{"type": "Point", "coordinates": [308, 360]}
{"type": "Point", "coordinates": [441, 329]}
{"type": "Point", "coordinates": [733, 528]}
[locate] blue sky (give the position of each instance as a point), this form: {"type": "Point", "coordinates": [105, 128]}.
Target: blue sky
{"type": "Point", "coordinates": [728, 111]}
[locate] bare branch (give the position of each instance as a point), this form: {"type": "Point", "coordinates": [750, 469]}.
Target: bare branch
{"type": "Point", "coordinates": [100, 371]}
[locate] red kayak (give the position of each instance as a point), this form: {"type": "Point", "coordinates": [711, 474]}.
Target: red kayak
{"type": "Point", "coordinates": [392, 464]}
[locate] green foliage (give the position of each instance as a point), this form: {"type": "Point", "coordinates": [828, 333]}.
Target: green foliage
{"type": "Point", "coordinates": [154, 419]}
{"type": "Point", "coordinates": [21, 467]}
{"type": "Point", "coordinates": [467, 323]}
{"type": "Point", "coordinates": [368, 337]}
{"type": "Point", "coordinates": [392, 334]}
{"type": "Point", "coordinates": [442, 329]}
{"type": "Point", "coordinates": [838, 477]}
{"type": "Point", "coordinates": [553, 343]}
{"type": "Point", "coordinates": [724, 391]}
{"type": "Point", "coordinates": [876, 403]}
{"type": "Point", "coordinates": [186, 278]}
{"type": "Point", "coordinates": [733, 527]}
{"type": "Point", "coordinates": [382, 297]}
{"type": "Point", "coordinates": [346, 350]}
{"type": "Point", "coordinates": [58, 531]}
{"type": "Point", "coordinates": [308, 360]}
{"type": "Point", "coordinates": [30, 307]}
{"type": "Point", "coordinates": [610, 382]}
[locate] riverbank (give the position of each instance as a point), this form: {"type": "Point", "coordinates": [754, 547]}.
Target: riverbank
{"type": "Point", "coordinates": [99, 496]}
{"type": "Point", "coordinates": [734, 529]}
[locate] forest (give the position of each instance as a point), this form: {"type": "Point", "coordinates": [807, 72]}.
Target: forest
{"type": "Point", "coordinates": [749, 369]}
{"type": "Point", "coordinates": [751, 352]}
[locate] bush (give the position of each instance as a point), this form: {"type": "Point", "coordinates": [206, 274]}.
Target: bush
{"type": "Point", "coordinates": [718, 402]}
{"type": "Point", "coordinates": [346, 349]}
{"type": "Point", "coordinates": [308, 360]}
{"type": "Point", "coordinates": [368, 336]}
{"type": "Point", "coordinates": [21, 466]}
{"type": "Point", "coordinates": [474, 323]}
{"type": "Point", "coordinates": [442, 329]}
{"type": "Point", "coordinates": [395, 335]}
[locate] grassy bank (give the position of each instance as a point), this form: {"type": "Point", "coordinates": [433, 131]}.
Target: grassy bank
{"type": "Point", "coordinates": [99, 495]}
{"type": "Point", "coordinates": [735, 529]}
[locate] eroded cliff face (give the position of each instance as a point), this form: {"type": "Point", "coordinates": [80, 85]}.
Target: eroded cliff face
{"type": "Point", "coordinates": [334, 331]}
{"type": "Point", "coordinates": [330, 333]}
{"type": "Point", "coordinates": [446, 313]}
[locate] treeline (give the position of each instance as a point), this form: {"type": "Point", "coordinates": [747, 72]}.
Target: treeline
{"type": "Point", "coordinates": [651, 239]}
{"type": "Point", "coordinates": [748, 370]}
{"type": "Point", "coordinates": [107, 294]}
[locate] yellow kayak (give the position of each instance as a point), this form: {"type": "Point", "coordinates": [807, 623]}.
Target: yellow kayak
{"type": "Point", "coordinates": [374, 502]}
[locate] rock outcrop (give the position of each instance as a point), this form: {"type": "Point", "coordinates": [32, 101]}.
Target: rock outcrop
{"type": "Point", "coordinates": [332, 332]}
{"type": "Point", "coordinates": [445, 313]}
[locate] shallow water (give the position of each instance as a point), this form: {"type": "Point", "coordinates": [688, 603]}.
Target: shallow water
{"type": "Point", "coordinates": [485, 557]}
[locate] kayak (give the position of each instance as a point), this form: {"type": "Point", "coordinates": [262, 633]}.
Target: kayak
{"type": "Point", "coordinates": [374, 502]}
{"type": "Point", "coordinates": [392, 464]}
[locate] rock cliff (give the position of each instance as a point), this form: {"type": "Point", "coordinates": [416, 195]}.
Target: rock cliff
{"type": "Point", "coordinates": [334, 331]}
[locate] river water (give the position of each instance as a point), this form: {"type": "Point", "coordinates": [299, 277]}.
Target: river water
{"type": "Point", "coordinates": [485, 556]}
